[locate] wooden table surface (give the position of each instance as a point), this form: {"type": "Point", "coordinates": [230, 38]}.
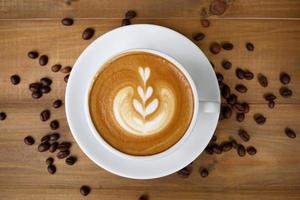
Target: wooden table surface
{"type": "Point", "coordinates": [273, 26]}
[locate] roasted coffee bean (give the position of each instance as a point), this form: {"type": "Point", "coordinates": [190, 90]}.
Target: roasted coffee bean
{"type": "Point", "coordinates": [226, 64]}
{"type": "Point", "coordinates": [49, 161]}
{"type": "Point", "coordinates": [215, 48]}
{"type": "Point", "coordinates": [290, 133]}
{"type": "Point", "coordinates": [66, 69]}
{"type": "Point", "coordinates": [88, 33]}
{"type": "Point", "coordinates": [184, 172]}
{"type": "Point", "coordinates": [51, 169]}
{"type": "Point", "coordinates": [56, 67]}
{"type": "Point", "coordinates": [15, 79]}
{"type": "Point", "coordinates": [248, 75]}
{"type": "Point", "coordinates": [239, 73]}
{"type": "Point", "coordinates": [53, 147]}
{"type": "Point", "coordinates": [216, 148]}
{"type": "Point", "coordinates": [246, 107]}
{"type": "Point", "coordinates": [259, 119]}
{"type": "Point", "coordinates": [217, 7]}
{"type": "Point", "coordinates": [225, 91]}
{"type": "Point", "coordinates": [43, 146]}
{"type": "Point", "coordinates": [34, 87]}
{"type": "Point", "coordinates": [57, 103]}
{"type": "Point", "coordinates": [271, 104]}
{"type": "Point", "coordinates": [37, 94]}
{"type": "Point", "coordinates": [249, 46]}
{"type": "Point", "coordinates": [232, 99]}
{"type": "Point", "coordinates": [43, 60]}
{"type": "Point", "coordinates": [221, 116]}
{"type": "Point", "coordinates": [239, 108]}
{"type": "Point", "coordinates": [226, 146]}
{"type": "Point", "coordinates": [54, 137]}
{"type": "Point", "coordinates": [45, 115]}
{"type": "Point", "coordinates": [213, 139]}
{"type": "Point", "coordinates": [244, 135]}
{"type": "Point", "coordinates": [2, 116]}
{"type": "Point", "coordinates": [241, 150]}
{"type": "Point", "coordinates": [33, 54]}
{"type": "Point", "coordinates": [240, 117]}
{"type": "Point", "coordinates": [269, 97]}
{"type": "Point", "coordinates": [64, 146]}
{"type": "Point", "coordinates": [209, 150]}
{"type": "Point", "coordinates": [205, 23]}
{"type": "Point", "coordinates": [46, 81]}
{"type": "Point", "coordinates": [71, 160]}
{"type": "Point", "coordinates": [251, 150]}
{"type": "Point", "coordinates": [29, 140]}
{"type": "Point", "coordinates": [285, 78]}
{"type": "Point", "coordinates": [45, 89]}
{"type": "Point", "coordinates": [85, 190]}
{"type": "Point", "coordinates": [144, 197]}
{"type": "Point", "coordinates": [227, 46]}
{"type": "Point", "coordinates": [45, 138]}
{"type": "Point", "coordinates": [199, 36]}
{"type": "Point", "coordinates": [130, 14]}
{"type": "Point", "coordinates": [54, 124]}
{"type": "Point", "coordinates": [66, 78]}
{"type": "Point", "coordinates": [63, 154]}
{"type": "Point", "coordinates": [227, 112]}
{"type": "Point", "coordinates": [285, 92]}
{"type": "Point", "coordinates": [204, 173]}
{"type": "Point", "coordinates": [234, 143]}
{"type": "Point", "coordinates": [125, 22]}
{"type": "Point", "coordinates": [219, 77]}
{"type": "Point", "coordinates": [67, 21]}
{"type": "Point", "coordinates": [262, 79]}
{"type": "Point", "coordinates": [241, 88]}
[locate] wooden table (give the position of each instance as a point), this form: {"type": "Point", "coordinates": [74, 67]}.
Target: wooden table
{"type": "Point", "coordinates": [273, 26]}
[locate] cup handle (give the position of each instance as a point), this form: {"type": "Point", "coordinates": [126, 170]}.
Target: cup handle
{"type": "Point", "coordinates": [209, 106]}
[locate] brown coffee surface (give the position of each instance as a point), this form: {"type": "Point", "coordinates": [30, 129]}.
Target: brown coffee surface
{"type": "Point", "coordinates": [140, 103]}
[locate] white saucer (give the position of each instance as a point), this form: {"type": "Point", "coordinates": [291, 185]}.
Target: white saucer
{"type": "Point", "coordinates": [134, 37]}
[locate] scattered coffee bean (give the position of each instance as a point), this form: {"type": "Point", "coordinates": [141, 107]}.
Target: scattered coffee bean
{"type": "Point", "coordinates": [45, 115]}
{"type": "Point", "coordinates": [269, 97]}
{"type": "Point", "coordinates": [33, 54]}
{"type": "Point", "coordinates": [226, 64]}
{"type": "Point", "coordinates": [262, 79]}
{"type": "Point", "coordinates": [199, 36]}
{"type": "Point", "coordinates": [239, 73]}
{"type": "Point", "coordinates": [285, 78]}
{"type": "Point", "coordinates": [54, 137]}
{"type": "Point", "coordinates": [71, 160]}
{"type": "Point", "coordinates": [215, 48]}
{"type": "Point", "coordinates": [43, 146]}
{"type": "Point", "coordinates": [56, 67]}
{"type": "Point", "coordinates": [226, 146]}
{"type": "Point", "coordinates": [259, 119]}
{"type": "Point", "coordinates": [249, 46]}
{"type": "Point", "coordinates": [125, 22]}
{"type": "Point", "coordinates": [244, 135]}
{"type": "Point", "coordinates": [67, 21]}
{"type": "Point", "coordinates": [66, 78]}
{"type": "Point", "coordinates": [217, 7]}
{"type": "Point", "coordinates": [285, 92]}
{"type": "Point", "coordinates": [63, 154]}
{"type": "Point", "coordinates": [54, 124]}
{"type": "Point", "coordinates": [15, 79]}
{"type": "Point", "coordinates": [85, 190]}
{"type": "Point", "coordinates": [226, 111]}
{"type": "Point", "coordinates": [290, 133]}
{"type": "Point", "coordinates": [246, 107]}
{"type": "Point", "coordinates": [46, 81]}
{"type": "Point", "coordinates": [234, 143]}
{"type": "Point", "coordinates": [205, 23]}
{"type": "Point", "coordinates": [232, 99]}
{"type": "Point", "coordinates": [34, 87]}
{"type": "Point", "coordinates": [37, 94]}
{"type": "Point", "coordinates": [251, 150]}
{"type": "Point", "coordinates": [53, 147]}
{"type": "Point", "coordinates": [241, 88]}
{"type": "Point", "coordinates": [248, 75]}
{"type": "Point", "coordinates": [45, 89]}
{"type": "Point", "coordinates": [241, 150]}
{"type": "Point", "coordinates": [144, 197]}
{"type": "Point", "coordinates": [219, 77]}
{"type": "Point", "coordinates": [240, 117]}
{"type": "Point", "coordinates": [209, 150]}
{"type": "Point", "coordinates": [66, 69]}
{"type": "Point", "coordinates": [271, 104]}
{"type": "Point", "coordinates": [49, 161]}
{"type": "Point", "coordinates": [130, 14]}
{"type": "Point", "coordinates": [43, 60]}
{"type": "Point", "coordinates": [45, 138]}
{"type": "Point", "coordinates": [227, 46]}
{"type": "Point", "coordinates": [216, 148]}
{"type": "Point", "coordinates": [225, 91]}
{"type": "Point", "coordinates": [204, 173]}
{"type": "Point", "coordinates": [88, 33]}
{"type": "Point", "coordinates": [64, 146]}
{"type": "Point", "coordinates": [57, 103]}
{"type": "Point", "coordinates": [51, 169]}
{"type": "Point", "coordinates": [2, 116]}
{"type": "Point", "coordinates": [29, 140]}
{"type": "Point", "coordinates": [213, 139]}
{"type": "Point", "coordinates": [239, 108]}
{"type": "Point", "coordinates": [184, 172]}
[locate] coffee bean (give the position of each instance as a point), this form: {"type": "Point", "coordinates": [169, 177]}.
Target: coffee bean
{"type": "Point", "coordinates": [125, 22]}
{"type": "Point", "coordinates": [244, 135]}
{"type": "Point", "coordinates": [225, 91]}
{"type": "Point", "coordinates": [248, 75]}
{"type": "Point", "coordinates": [71, 160]}
{"type": "Point", "coordinates": [45, 115]}
{"type": "Point", "coordinates": [130, 14]}
{"type": "Point", "coordinates": [216, 148]}
{"type": "Point", "coordinates": [246, 107]}
{"type": "Point", "coordinates": [251, 150]}
{"type": "Point", "coordinates": [290, 133]}
{"type": "Point", "coordinates": [56, 67]}
{"type": "Point", "coordinates": [45, 89]}
{"type": "Point", "coordinates": [2, 116]}
{"type": "Point", "coordinates": [232, 99]}
{"type": "Point", "coordinates": [85, 190]}
{"type": "Point", "coordinates": [262, 79]}
{"type": "Point", "coordinates": [43, 60]}
{"type": "Point", "coordinates": [285, 92]}
{"type": "Point", "coordinates": [239, 108]}
{"type": "Point", "coordinates": [66, 78]}
{"type": "Point", "coordinates": [259, 119]}
{"type": "Point", "coordinates": [29, 140]}
{"type": "Point", "coordinates": [36, 94]}
{"type": "Point", "coordinates": [234, 143]}
{"type": "Point", "coordinates": [271, 104]}
{"type": "Point", "coordinates": [209, 149]}
{"type": "Point", "coordinates": [240, 117]}
{"type": "Point", "coordinates": [67, 21]}
{"type": "Point", "coordinates": [43, 146]}
{"type": "Point", "coordinates": [239, 73]}
{"type": "Point", "coordinates": [46, 81]}
{"type": "Point", "coordinates": [213, 139]}
{"type": "Point", "coordinates": [241, 150]}
{"type": "Point", "coordinates": [57, 103]}
{"type": "Point", "coordinates": [215, 48]}
{"type": "Point", "coordinates": [34, 87]}
{"type": "Point", "coordinates": [285, 78]}
{"type": "Point", "coordinates": [53, 147]}
{"type": "Point", "coordinates": [227, 46]}
{"type": "Point", "coordinates": [54, 137]}
{"type": "Point", "coordinates": [226, 146]}
{"type": "Point", "coordinates": [49, 161]}
{"type": "Point", "coordinates": [66, 69]}
{"type": "Point", "coordinates": [219, 77]}
{"type": "Point", "coordinates": [227, 112]}
{"type": "Point", "coordinates": [184, 172]}
{"type": "Point", "coordinates": [51, 169]}
{"type": "Point", "coordinates": [45, 138]}
{"type": "Point", "coordinates": [204, 173]}
{"type": "Point", "coordinates": [63, 154]}
{"type": "Point", "coordinates": [249, 46]}
{"type": "Point", "coordinates": [205, 23]}
{"type": "Point", "coordinates": [54, 124]}
{"type": "Point", "coordinates": [64, 146]}
{"type": "Point", "coordinates": [269, 97]}
{"type": "Point", "coordinates": [217, 7]}
{"type": "Point", "coordinates": [15, 79]}
{"type": "Point", "coordinates": [144, 197]}
{"type": "Point", "coordinates": [199, 36]}
{"type": "Point", "coordinates": [33, 54]}
{"type": "Point", "coordinates": [241, 88]}
{"type": "Point", "coordinates": [226, 64]}
{"type": "Point", "coordinates": [88, 33]}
